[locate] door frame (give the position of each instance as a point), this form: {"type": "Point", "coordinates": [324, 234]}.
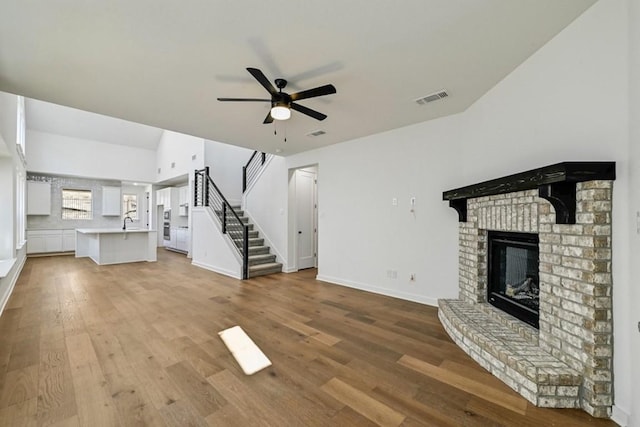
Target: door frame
{"type": "Point", "coordinates": [293, 221]}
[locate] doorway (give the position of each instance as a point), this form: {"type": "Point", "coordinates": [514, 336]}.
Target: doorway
{"type": "Point", "coordinates": [305, 217]}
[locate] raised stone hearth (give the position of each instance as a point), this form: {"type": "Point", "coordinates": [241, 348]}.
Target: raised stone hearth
{"type": "Point", "coordinates": [568, 361]}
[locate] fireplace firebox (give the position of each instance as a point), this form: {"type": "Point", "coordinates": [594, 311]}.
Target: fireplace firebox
{"type": "Point", "coordinates": [513, 279]}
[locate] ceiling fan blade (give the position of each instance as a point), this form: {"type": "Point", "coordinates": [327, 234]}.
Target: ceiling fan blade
{"type": "Point", "coordinates": [308, 111]}
{"type": "Point", "coordinates": [268, 119]}
{"type": "Point", "coordinates": [244, 99]}
{"type": "Point", "coordinates": [262, 79]}
{"type": "Point", "coordinates": [311, 93]}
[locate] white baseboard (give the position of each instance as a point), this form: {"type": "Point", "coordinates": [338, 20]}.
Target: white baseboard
{"type": "Point", "coordinates": [620, 416]}
{"type": "Point", "coordinates": [12, 284]}
{"type": "Point", "coordinates": [219, 270]}
{"type": "Point", "coordinates": [378, 290]}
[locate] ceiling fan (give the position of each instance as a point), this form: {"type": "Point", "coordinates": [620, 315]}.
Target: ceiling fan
{"type": "Point", "coordinates": [282, 103]}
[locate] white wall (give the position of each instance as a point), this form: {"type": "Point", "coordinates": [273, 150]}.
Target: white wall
{"type": "Point", "coordinates": [7, 212]}
{"type": "Point", "coordinates": [362, 236]}
{"type": "Point", "coordinates": [63, 155]}
{"type": "Point", "coordinates": [569, 101]}
{"type": "Point", "coordinates": [266, 204]}
{"type": "Point", "coordinates": [10, 166]}
{"type": "Point", "coordinates": [175, 156]}
{"type": "Point", "coordinates": [225, 168]}
{"type": "Point", "coordinates": [634, 202]}
{"type": "Point", "coordinates": [8, 122]}
{"type": "Point", "coordinates": [210, 248]}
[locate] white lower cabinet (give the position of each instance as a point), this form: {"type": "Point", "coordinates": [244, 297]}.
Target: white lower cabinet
{"type": "Point", "coordinates": [179, 239]}
{"type": "Point", "coordinates": [47, 241]}
{"type": "Point", "coordinates": [35, 243]}
{"type": "Point", "coordinates": [68, 240]}
{"type": "Point", "coordinates": [183, 240]}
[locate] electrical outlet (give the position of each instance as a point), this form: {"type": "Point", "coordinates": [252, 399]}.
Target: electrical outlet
{"type": "Point", "coordinates": [412, 201]}
{"type": "Point", "coordinates": [394, 202]}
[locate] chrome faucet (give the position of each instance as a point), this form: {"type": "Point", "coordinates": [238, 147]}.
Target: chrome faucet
{"type": "Point", "coordinates": [124, 222]}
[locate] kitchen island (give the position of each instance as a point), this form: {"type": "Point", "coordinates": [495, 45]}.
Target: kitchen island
{"type": "Point", "coordinates": [116, 246]}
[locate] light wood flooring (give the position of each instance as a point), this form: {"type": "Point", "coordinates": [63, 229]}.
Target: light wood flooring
{"type": "Point", "coordinates": [137, 344]}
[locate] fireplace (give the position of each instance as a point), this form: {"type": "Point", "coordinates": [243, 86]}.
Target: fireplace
{"type": "Point", "coordinates": [566, 362]}
{"type": "Point", "coordinates": [513, 279]}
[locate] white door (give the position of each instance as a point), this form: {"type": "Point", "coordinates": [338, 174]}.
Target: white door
{"type": "Point", "coordinates": [305, 218]}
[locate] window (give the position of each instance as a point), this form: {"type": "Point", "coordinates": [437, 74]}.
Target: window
{"type": "Point", "coordinates": [77, 204]}
{"type": "Point", "coordinates": [130, 206]}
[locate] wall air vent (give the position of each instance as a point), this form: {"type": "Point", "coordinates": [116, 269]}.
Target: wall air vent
{"type": "Point", "coordinates": [316, 133]}
{"type": "Point", "coordinates": [432, 97]}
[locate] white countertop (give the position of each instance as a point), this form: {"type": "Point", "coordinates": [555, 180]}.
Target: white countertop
{"type": "Point", "coordinates": [111, 230]}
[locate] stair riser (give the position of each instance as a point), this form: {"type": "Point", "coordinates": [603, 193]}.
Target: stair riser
{"type": "Point", "coordinates": [229, 214]}
{"type": "Point", "coordinates": [257, 250]}
{"type": "Point", "coordinates": [238, 227]}
{"type": "Point", "coordinates": [252, 242]}
{"type": "Point", "coordinates": [264, 272]}
{"type": "Point", "coordinates": [266, 260]}
{"type": "Point", "coordinates": [234, 220]}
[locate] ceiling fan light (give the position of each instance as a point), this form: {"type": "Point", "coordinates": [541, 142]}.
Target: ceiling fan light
{"type": "Point", "coordinates": [279, 112]}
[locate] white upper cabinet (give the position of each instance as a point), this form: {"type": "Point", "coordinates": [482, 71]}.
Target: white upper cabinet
{"type": "Point", "coordinates": [163, 197]}
{"type": "Point", "coordinates": [111, 201]}
{"type": "Point", "coordinates": [183, 195]}
{"type": "Point", "coordinates": [183, 200]}
{"type": "Point", "coordinates": [38, 198]}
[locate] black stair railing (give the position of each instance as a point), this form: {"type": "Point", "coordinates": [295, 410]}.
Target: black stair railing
{"type": "Point", "coordinates": [251, 170]}
{"type": "Point", "coordinates": [206, 193]}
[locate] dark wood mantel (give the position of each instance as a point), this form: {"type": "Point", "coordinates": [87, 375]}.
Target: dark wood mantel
{"type": "Point", "coordinates": [555, 183]}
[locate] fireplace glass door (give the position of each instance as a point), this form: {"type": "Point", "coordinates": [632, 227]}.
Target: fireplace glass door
{"type": "Point", "coordinates": [513, 284]}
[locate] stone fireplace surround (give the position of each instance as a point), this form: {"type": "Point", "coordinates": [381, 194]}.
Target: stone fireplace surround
{"type": "Point", "coordinates": [568, 362]}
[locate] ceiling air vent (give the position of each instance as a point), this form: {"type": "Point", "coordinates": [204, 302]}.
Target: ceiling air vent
{"type": "Point", "coordinates": [316, 133]}
{"type": "Point", "coordinates": [432, 97]}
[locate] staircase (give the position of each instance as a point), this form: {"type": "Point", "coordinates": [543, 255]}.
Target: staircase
{"type": "Point", "coordinates": [261, 261]}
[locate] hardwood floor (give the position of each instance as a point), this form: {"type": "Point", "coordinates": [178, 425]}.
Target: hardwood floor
{"type": "Point", "coordinates": [137, 344]}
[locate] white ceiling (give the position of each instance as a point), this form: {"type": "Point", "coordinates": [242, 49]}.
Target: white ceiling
{"type": "Point", "coordinates": [46, 117]}
{"type": "Point", "coordinates": [164, 62]}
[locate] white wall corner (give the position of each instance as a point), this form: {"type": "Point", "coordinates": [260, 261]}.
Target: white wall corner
{"type": "Point", "coordinates": [211, 249]}
{"type": "Point", "coordinates": [422, 299]}
{"type": "Point", "coordinates": [620, 416]}
{"type": "Point", "coordinates": [223, 271]}
{"type": "Point", "coordinates": [9, 282]}
{"type": "Point", "coordinates": [256, 179]}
